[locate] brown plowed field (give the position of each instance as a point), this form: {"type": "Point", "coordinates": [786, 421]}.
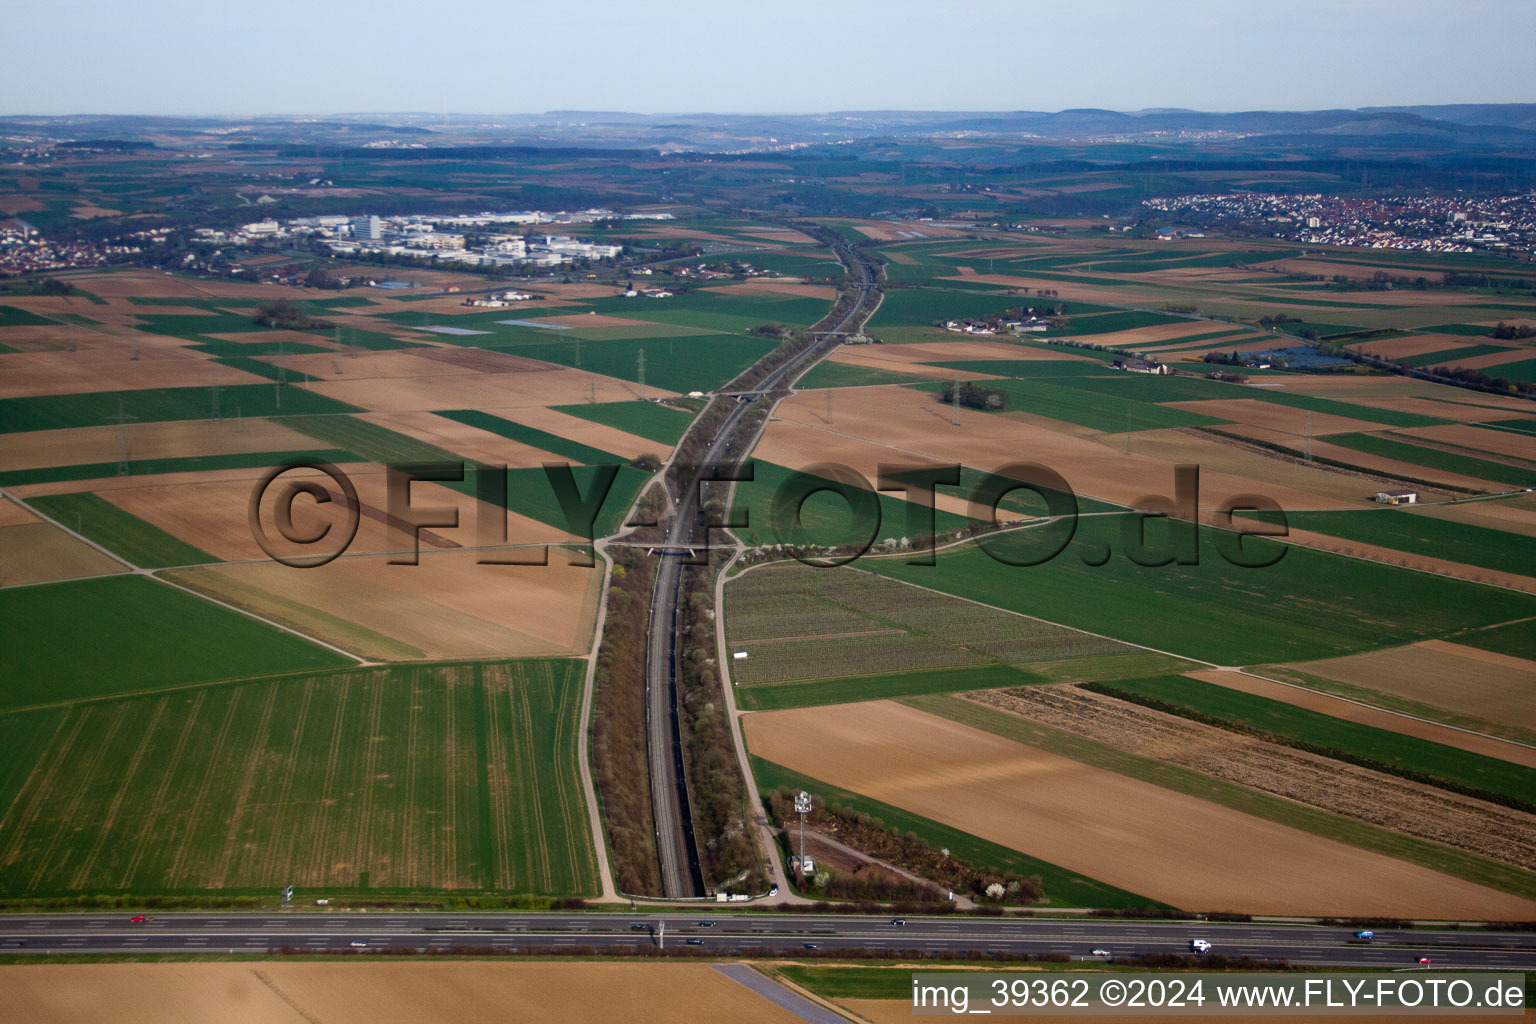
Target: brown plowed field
{"type": "Point", "coordinates": [40, 552]}
{"type": "Point", "coordinates": [480, 360]}
{"type": "Point", "coordinates": [899, 1011]}
{"type": "Point", "coordinates": [907, 423]}
{"type": "Point", "coordinates": [1349, 711]}
{"type": "Point", "coordinates": [1214, 454]}
{"type": "Point", "coordinates": [83, 446]}
{"type": "Point", "coordinates": [461, 439]}
{"type": "Point", "coordinates": [448, 606]}
{"type": "Point", "coordinates": [1348, 387]}
{"type": "Point", "coordinates": [1498, 442]}
{"type": "Point", "coordinates": [1214, 344]}
{"type": "Point", "coordinates": [1122, 831]}
{"type": "Point", "coordinates": [211, 512]}
{"type": "Point", "coordinates": [1139, 337]}
{"type": "Point", "coordinates": [1411, 345]}
{"type": "Point", "coordinates": [574, 428]}
{"type": "Point", "coordinates": [1465, 680]}
{"type": "Point", "coordinates": [1255, 412]}
{"type": "Point", "coordinates": [1466, 413]}
{"type": "Point", "coordinates": [1482, 828]}
{"type": "Point", "coordinates": [411, 364]}
{"type": "Point", "coordinates": [1493, 360]}
{"type": "Point", "coordinates": [12, 514]}
{"type": "Point", "coordinates": [111, 368]}
{"type": "Point", "coordinates": [1516, 516]}
{"type": "Point", "coordinates": [961, 347]}
{"type": "Point", "coordinates": [353, 992]}
{"type": "Point", "coordinates": [1393, 468]}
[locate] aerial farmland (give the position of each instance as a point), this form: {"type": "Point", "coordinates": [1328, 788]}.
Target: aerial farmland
{"type": "Point", "coordinates": [760, 556]}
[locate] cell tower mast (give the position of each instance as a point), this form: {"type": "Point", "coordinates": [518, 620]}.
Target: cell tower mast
{"type": "Point", "coordinates": [121, 419]}
{"type": "Point", "coordinates": [802, 808]}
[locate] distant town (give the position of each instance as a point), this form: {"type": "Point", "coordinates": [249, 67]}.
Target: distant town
{"type": "Point", "coordinates": [1426, 223]}
{"type": "Point", "coordinates": [474, 240]}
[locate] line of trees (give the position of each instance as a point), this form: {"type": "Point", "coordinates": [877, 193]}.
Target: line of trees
{"type": "Point", "coordinates": [1280, 739]}
{"type": "Point", "coordinates": [1464, 376]}
{"type": "Point", "coordinates": [618, 718]}
{"type": "Point", "coordinates": [722, 821]}
{"type": "Point", "coordinates": [974, 396]}
{"type": "Point", "coordinates": [284, 315]}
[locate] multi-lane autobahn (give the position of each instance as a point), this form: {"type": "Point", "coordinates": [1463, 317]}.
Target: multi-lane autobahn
{"type": "Point", "coordinates": [669, 797]}
{"type": "Point", "coordinates": [737, 933]}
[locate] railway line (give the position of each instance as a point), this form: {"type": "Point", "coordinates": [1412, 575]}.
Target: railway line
{"type": "Point", "coordinates": [676, 849]}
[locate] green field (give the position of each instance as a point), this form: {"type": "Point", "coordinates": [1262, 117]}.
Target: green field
{"type": "Point", "coordinates": [58, 412]}
{"type": "Point", "coordinates": [180, 464]}
{"type": "Point", "coordinates": [1146, 387]}
{"type": "Point", "coordinates": [692, 362]}
{"type": "Point", "coordinates": [12, 316]}
{"type": "Point", "coordinates": [797, 622]}
{"type": "Point", "coordinates": [1436, 458]}
{"type": "Point", "coordinates": [1403, 530]}
{"type": "Point", "coordinates": [650, 420]}
{"type": "Point", "coordinates": [850, 982]}
{"type": "Point", "coordinates": [370, 441]}
{"type": "Point", "coordinates": [1309, 604]}
{"type": "Point", "coordinates": [251, 349]}
{"type": "Point", "coordinates": [1449, 356]}
{"type": "Point", "coordinates": [825, 516]}
{"type": "Point", "coordinates": [714, 310]}
{"type": "Point", "coordinates": [1516, 639]}
{"type": "Point", "coordinates": [196, 325]}
{"type": "Point", "coordinates": [1108, 323]}
{"type": "Point", "coordinates": [123, 634]}
{"type": "Point", "coordinates": [426, 777]}
{"type": "Point", "coordinates": [1371, 414]}
{"type": "Point", "coordinates": [529, 493]}
{"type": "Point", "coordinates": [1070, 404]}
{"type": "Point", "coordinates": [793, 264]}
{"type": "Point", "coordinates": [892, 686]}
{"type": "Point", "coordinates": [1063, 888]}
{"type": "Point", "coordinates": [1525, 369]}
{"type": "Point", "coordinates": [919, 307]}
{"type": "Point", "coordinates": [534, 437]}
{"type": "Point", "coordinates": [1027, 368]}
{"type": "Point", "coordinates": [828, 374]}
{"type": "Point", "coordinates": [1400, 751]}
{"type": "Point", "coordinates": [122, 533]}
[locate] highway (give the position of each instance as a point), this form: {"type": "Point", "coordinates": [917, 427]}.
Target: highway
{"type": "Point", "coordinates": [669, 797]}
{"type": "Point", "coordinates": [738, 933]}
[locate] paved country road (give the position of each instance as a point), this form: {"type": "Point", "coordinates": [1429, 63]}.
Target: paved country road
{"type": "Point", "coordinates": [736, 933]}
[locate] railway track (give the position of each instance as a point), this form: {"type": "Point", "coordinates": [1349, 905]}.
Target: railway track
{"type": "Point", "coordinates": [675, 844]}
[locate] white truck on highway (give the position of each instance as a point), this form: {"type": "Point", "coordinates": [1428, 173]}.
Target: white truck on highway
{"type": "Point", "coordinates": [1200, 945]}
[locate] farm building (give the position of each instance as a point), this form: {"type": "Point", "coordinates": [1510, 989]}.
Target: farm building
{"type": "Point", "coordinates": [1397, 497]}
{"type": "Point", "coordinates": [1140, 366]}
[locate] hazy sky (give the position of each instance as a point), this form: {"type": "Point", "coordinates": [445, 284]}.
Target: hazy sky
{"type": "Point", "coordinates": [512, 56]}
